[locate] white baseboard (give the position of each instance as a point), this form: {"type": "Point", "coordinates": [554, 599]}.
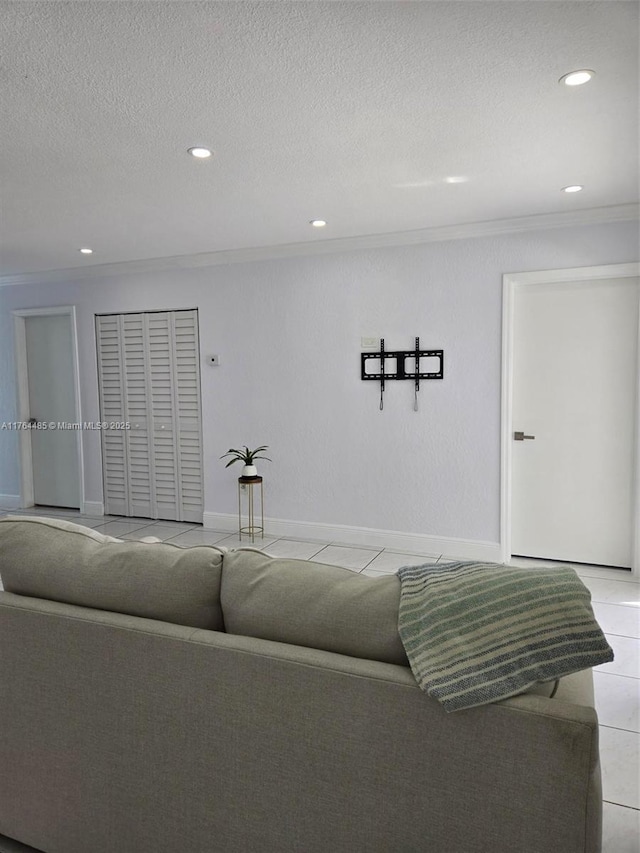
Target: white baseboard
{"type": "Point", "coordinates": [93, 508]}
{"type": "Point", "coordinates": [10, 502]}
{"type": "Point", "coordinates": [417, 543]}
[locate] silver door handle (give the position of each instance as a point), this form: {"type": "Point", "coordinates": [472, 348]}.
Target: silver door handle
{"type": "Point", "coordinates": [520, 436]}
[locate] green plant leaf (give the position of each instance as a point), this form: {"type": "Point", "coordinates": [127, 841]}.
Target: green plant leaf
{"type": "Point", "coordinates": [247, 456]}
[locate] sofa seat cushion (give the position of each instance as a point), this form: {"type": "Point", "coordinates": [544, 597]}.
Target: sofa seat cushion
{"type": "Point", "coordinates": [313, 605]}
{"type": "Point", "coordinates": [62, 561]}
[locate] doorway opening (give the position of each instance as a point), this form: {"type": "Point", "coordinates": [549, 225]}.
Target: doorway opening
{"type": "Point", "coordinates": [50, 444]}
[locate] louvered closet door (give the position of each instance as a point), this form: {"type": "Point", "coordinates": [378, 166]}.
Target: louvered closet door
{"type": "Point", "coordinates": [112, 408]}
{"type": "Point", "coordinates": [187, 411]}
{"type": "Point", "coordinates": [152, 373]}
{"type": "Point", "coordinates": [163, 437]}
{"type": "Point", "coordinates": [136, 400]}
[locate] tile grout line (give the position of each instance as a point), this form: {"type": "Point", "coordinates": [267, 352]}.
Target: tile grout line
{"type": "Point", "coordinates": [618, 728]}
{"type": "Point", "coordinates": [370, 561]}
{"type": "Point", "coordinates": [616, 674]}
{"type": "Point", "coordinates": [621, 805]}
{"type": "Point", "coordinates": [324, 548]}
{"type": "Point", "coordinates": [315, 554]}
{"type": "Point", "coordinates": [106, 532]}
{"type": "Point", "coordinates": [625, 636]}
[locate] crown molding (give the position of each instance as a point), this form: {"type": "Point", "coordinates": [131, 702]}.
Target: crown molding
{"type": "Point", "coordinates": [591, 216]}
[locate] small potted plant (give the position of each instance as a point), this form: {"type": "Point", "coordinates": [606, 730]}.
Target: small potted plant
{"type": "Point", "coordinates": [247, 456]}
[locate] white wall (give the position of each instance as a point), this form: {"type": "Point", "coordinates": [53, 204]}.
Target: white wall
{"type": "Point", "coordinates": [288, 335]}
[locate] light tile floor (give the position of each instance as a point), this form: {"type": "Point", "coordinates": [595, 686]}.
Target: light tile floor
{"type": "Point", "coordinates": [616, 603]}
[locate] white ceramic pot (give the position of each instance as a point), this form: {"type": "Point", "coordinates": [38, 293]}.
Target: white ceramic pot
{"type": "Point", "coordinates": [249, 471]}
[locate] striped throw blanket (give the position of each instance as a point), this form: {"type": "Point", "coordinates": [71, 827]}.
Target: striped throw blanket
{"type": "Point", "coordinates": [476, 633]}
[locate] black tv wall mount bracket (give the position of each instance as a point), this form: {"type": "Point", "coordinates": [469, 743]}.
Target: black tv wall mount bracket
{"type": "Point", "coordinates": [400, 372]}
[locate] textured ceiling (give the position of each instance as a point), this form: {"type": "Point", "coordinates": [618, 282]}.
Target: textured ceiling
{"type": "Point", "coordinates": [354, 112]}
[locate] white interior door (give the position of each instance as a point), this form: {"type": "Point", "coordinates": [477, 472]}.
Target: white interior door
{"type": "Point", "coordinates": [52, 401]}
{"type": "Point", "coordinates": [575, 381]}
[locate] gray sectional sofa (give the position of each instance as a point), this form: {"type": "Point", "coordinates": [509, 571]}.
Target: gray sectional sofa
{"type": "Point", "coordinates": [158, 699]}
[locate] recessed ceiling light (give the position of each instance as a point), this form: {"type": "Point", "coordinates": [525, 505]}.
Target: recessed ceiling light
{"type": "Point", "coordinates": [574, 188]}
{"type": "Point", "coordinates": [86, 251]}
{"type": "Point", "coordinates": [318, 223]}
{"type": "Point", "coordinates": [200, 153]}
{"type": "Point", "coordinates": [456, 179]}
{"type": "Point", "coordinates": [577, 78]}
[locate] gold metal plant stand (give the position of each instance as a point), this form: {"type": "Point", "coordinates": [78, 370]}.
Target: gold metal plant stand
{"type": "Point", "coordinates": [251, 529]}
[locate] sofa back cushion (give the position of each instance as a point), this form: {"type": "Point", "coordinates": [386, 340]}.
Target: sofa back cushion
{"type": "Point", "coordinates": [62, 561]}
{"type": "Point", "coordinates": [311, 604]}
